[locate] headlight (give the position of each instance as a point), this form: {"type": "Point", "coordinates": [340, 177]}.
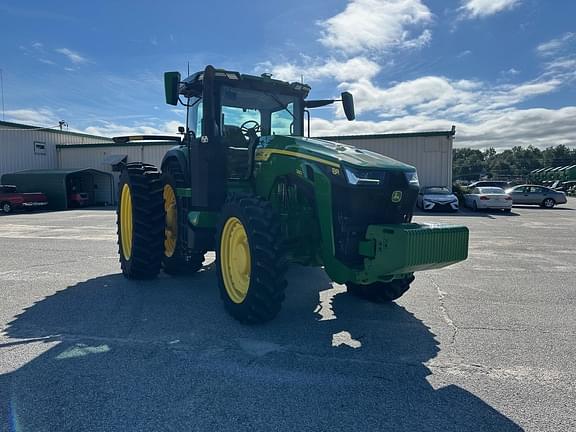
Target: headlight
{"type": "Point", "coordinates": [361, 178]}
{"type": "Point", "coordinates": [412, 178]}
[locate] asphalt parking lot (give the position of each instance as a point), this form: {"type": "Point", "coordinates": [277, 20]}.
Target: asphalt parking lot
{"type": "Point", "coordinates": [486, 345]}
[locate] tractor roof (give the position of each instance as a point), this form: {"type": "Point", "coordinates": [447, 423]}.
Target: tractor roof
{"type": "Point", "coordinates": [192, 86]}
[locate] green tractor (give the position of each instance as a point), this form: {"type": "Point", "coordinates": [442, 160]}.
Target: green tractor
{"type": "Point", "coordinates": [245, 182]}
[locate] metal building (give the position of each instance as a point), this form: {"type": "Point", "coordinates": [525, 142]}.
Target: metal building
{"type": "Point", "coordinates": [103, 156]}
{"type": "Point", "coordinates": [24, 147]}
{"type": "Point", "coordinates": [429, 152]}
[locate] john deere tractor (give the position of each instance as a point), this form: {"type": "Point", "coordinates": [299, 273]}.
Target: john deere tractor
{"type": "Point", "coordinates": [246, 183]}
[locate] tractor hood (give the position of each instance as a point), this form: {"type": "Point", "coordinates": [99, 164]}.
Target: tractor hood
{"type": "Point", "coordinates": [329, 152]}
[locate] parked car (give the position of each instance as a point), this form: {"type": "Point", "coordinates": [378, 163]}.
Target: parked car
{"type": "Point", "coordinates": [489, 183]}
{"type": "Point", "coordinates": [535, 194]}
{"type": "Point", "coordinates": [437, 198]}
{"type": "Point", "coordinates": [77, 199]}
{"type": "Point", "coordinates": [11, 199]}
{"type": "Point", "coordinates": [488, 198]}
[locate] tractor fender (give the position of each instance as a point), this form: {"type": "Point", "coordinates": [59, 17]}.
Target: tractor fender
{"type": "Point", "coordinates": [179, 155]}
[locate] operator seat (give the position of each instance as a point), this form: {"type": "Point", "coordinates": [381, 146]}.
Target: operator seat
{"type": "Point", "coordinates": [236, 151]}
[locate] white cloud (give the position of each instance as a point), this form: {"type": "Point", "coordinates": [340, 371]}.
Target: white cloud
{"type": "Point", "coordinates": [484, 8]}
{"type": "Point", "coordinates": [376, 25]}
{"type": "Point", "coordinates": [111, 129]}
{"type": "Point", "coordinates": [315, 70]}
{"type": "Point", "coordinates": [538, 126]}
{"type": "Point", "coordinates": [33, 116]}
{"type": "Point", "coordinates": [555, 46]}
{"type": "Point", "coordinates": [439, 95]}
{"type": "Point", "coordinates": [73, 56]}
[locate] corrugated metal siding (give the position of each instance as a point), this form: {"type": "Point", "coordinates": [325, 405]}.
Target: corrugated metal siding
{"type": "Point", "coordinates": [17, 148]}
{"type": "Point", "coordinates": [431, 155]}
{"type": "Point", "coordinates": [93, 157]}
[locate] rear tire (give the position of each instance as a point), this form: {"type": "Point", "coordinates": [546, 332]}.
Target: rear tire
{"type": "Point", "coordinates": [174, 260]}
{"type": "Point", "coordinates": [140, 219]}
{"type": "Point", "coordinates": [251, 259]}
{"type": "Point", "coordinates": [6, 207]}
{"type": "Point", "coordinates": [548, 203]}
{"type": "Point", "coordinates": [381, 292]}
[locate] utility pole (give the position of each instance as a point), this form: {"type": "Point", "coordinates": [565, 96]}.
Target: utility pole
{"type": "Point", "coordinates": [2, 91]}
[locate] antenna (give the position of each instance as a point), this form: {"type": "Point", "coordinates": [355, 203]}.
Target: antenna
{"type": "Point", "coordinates": [2, 87]}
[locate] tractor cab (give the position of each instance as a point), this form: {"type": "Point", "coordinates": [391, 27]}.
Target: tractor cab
{"type": "Point", "coordinates": [227, 115]}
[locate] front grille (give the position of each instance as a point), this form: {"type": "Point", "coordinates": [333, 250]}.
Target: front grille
{"type": "Point", "coordinates": [356, 207]}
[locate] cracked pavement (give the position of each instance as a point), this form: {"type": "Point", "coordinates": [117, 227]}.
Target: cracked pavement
{"type": "Point", "coordinates": [487, 344]}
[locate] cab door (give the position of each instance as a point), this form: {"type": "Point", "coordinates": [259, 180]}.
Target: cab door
{"type": "Point", "coordinates": [536, 195]}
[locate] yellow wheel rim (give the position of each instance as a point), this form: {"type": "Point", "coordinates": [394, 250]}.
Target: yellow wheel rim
{"type": "Point", "coordinates": [126, 228]}
{"type": "Point", "coordinates": [171, 225]}
{"type": "Point", "coordinates": [235, 260]}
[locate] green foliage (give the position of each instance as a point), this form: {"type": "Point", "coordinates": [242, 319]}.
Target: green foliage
{"type": "Point", "coordinates": [459, 191]}
{"type": "Point", "coordinates": [471, 164]}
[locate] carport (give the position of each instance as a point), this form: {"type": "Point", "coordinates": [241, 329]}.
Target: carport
{"type": "Point", "coordinates": [57, 185]}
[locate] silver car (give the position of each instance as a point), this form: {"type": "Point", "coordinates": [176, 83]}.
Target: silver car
{"type": "Point", "coordinates": [534, 194]}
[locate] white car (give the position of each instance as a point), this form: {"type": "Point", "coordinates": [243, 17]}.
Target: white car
{"type": "Point", "coordinates": [488, 198]}
{"type": "Point", "coordinates": [437, 198]}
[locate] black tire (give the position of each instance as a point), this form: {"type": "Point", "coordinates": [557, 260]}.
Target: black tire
{"type": "Point", "coordinates": [6, 207]}
{"type": "Point", "coordinates": [381, 292]}
{"type": "Point", "coordinates": [178, 262]}
{"type": "Point", "coordinates": [548, 203]}
{"type": "Point", "coordinates": [146, 243]}
{"type": "Point", "coordinates": [267, 258]}
{"type": "Point", "coordinates": [474, 206]}
{"type": "Point", "coordinates": [507, 210]}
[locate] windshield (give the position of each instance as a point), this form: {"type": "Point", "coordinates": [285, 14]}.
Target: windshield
{"type": "Point", "coordinates": [273, 112]}
{"type": "Point", "coordinates": [436, 190]}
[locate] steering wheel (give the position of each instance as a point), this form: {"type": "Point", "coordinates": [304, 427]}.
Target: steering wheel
{"type": "Point", "coordinates": [250, 127]}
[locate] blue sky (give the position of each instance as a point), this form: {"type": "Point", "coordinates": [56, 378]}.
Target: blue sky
{"type": "Point", "coordinates": [502, 71]}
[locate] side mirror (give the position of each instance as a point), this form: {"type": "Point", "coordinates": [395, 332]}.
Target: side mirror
{"type": "Point", "coordinates": [348, 105]}
{"type": "Point", "coordinates": [171, 82]}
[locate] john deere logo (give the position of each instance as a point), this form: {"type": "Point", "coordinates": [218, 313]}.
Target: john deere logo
{"type": "Point", "coordinates": [396, 196]}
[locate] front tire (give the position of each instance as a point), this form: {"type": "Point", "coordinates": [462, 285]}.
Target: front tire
{"type": "Point", "coordinates": [251, 259]}
{"type": "Point", "coordinates": [548, 203]}
{"type": "Point", "coordinates": [381, 292]}
{"type": "Point", "coordinates": [140, 219]}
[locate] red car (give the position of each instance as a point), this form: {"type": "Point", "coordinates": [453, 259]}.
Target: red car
{"type": "Point", "coordinates": [11, 199]}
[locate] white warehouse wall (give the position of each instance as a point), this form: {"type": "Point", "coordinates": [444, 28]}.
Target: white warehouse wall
{"type": "Point", "coordinates": [18, 151]}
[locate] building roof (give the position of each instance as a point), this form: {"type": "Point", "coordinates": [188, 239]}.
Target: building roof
{"type": "Point", "coordinates": [390, 135]}
{"type": "Point", "coordinates": [55, 172]}
{"type": "Point", "coordinates": [4, 125]}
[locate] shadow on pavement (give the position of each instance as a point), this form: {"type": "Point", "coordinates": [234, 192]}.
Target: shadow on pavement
{"type": "Point", "coordinates": [163, 355]}
{"type": "Point", "coordinates": [491, 214]}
